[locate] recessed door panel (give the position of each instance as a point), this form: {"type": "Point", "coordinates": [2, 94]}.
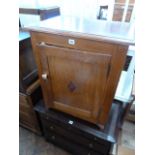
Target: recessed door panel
{"type": "Point", "coordinates": [76, 80]}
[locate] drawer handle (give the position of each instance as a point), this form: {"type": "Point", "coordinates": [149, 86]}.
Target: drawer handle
{"type": "Point", "coordinates": [70, 122]}
{"type": "Point", "coordinates": [44, 76]}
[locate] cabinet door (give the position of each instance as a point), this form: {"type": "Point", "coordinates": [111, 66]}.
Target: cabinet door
{"type": "Point", "coordinates": [74, 81]}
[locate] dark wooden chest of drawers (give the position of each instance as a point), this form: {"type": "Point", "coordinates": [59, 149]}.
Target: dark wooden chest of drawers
{"type": "Point", "coordinates": [77, 136]}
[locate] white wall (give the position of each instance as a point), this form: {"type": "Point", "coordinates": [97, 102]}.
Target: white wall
{"type": "Point", "coordinates": [77, 8]}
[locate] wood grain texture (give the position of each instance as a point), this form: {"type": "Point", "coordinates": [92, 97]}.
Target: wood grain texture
{"type": "Point", "coordinates": [27, 116]}
{"type": "Point", "coordinates": [33, 87]}
{"type": "Point", "coordinates": [117, 67]}
{"type": "Point", "coordinates": [86, 72]}
{"type": "Point", "coordinates": [82, 77]}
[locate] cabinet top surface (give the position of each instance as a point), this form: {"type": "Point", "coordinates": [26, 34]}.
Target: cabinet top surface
{"type": "Point", "coordinates": [118, 32]}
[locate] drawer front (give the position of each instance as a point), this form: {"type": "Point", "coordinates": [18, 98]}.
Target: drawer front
{"type": "Point", "coordinates": [72, 147]}
{"type": "Point", "coordinates": [26, 113]}
{"type": "Point", "coordinates": [22, 98]}
{"type": "Point", "coordinates": [69, 134]}
{"type": "Point", "coordinates": [28, 119]}
{"type": "Point", "coordinates": [72, 42]}
{"type": "Point", "coordinates": [24, 118]}
{"type": "Point", "coordinates": [25, 109]}
{"type": "Point", "coordinates": [76, 128]}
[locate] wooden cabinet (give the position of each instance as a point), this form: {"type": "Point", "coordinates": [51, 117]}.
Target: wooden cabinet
{"type": "Point", "coordinates": [27, 67]}
{"type": "Point", "coordinates": [78, 72]}
{"type": "Point", "coordinates": [75, 79]}
{"type": "Point", "coordinates": [29, 86]}
{"type": "Point", "coordinates": [27, 116]}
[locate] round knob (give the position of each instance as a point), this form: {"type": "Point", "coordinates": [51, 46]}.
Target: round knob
{"type": "Point", "coordinates": [44, 76]}
{"type": "Point", "coordinates": [42, 43]}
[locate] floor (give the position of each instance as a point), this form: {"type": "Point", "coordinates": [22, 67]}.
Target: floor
{"type": "Point", "coordinates": [31, 144]}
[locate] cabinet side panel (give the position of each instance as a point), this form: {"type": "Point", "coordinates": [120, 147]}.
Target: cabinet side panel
{"type": "Point", "coordinates": [117, 64]}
